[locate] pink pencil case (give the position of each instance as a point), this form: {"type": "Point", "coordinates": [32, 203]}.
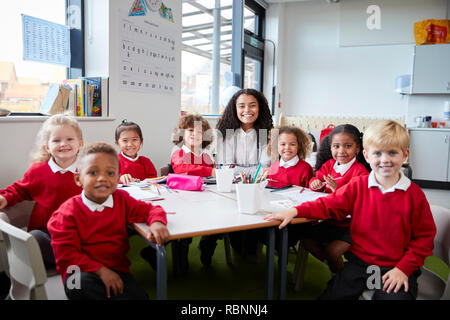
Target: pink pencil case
{"type": "Point", "coordinates": [185, 182]}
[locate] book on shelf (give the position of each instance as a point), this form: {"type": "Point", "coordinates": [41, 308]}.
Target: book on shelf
{"type": "Point", "coordinates": [89, 96]}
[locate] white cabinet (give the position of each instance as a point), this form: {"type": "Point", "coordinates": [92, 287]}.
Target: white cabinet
{"type": "Point", "coordinates": [429, 155]}
{"type": "Point", "coordinates": [431, 69]}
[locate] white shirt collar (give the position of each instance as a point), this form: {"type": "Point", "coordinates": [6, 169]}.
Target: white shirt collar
{"type": "Point", "coordinates": [187, 150]}
{"type": "Point", "coordinates": [290, 163]}
{"type": "Point", "coordinates": [402, 184]}
{"type": "Point", "coordinates": [93, 206]}
{"type": "Point", "coordinates": [55, 168]}
{"type": "Point", "coordinates": [127, 157]}
{"type": "Point", "coordinates": [343, 168]}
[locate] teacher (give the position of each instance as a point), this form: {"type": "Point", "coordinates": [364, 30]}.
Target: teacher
{"type": "Point", "coordinates": [243, 131]}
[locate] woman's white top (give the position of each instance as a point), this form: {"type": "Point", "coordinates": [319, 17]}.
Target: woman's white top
{"type": "Point", "coordinates": [240, 148]}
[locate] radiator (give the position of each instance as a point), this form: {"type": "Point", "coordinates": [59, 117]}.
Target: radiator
{"type": "Point", "coordinates": [319, 122]}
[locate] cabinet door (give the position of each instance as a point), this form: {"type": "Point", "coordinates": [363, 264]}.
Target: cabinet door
{"type": "Point", "coordinates": [429, 157]}
{"type": "Point", "coordinates": [431, 69]}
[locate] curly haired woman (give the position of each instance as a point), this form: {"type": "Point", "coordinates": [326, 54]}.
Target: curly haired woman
{"type": "Point", "coordinates": [243, 132]}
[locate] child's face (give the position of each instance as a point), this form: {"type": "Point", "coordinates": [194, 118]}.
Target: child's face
{"type": "Point", "coordinates": [287, 146]}
{"type": "Point", "coordinates": [343, 148]}
{"type": "Point", "coordinates": [129, 143]}
{"type": "Point", "coordinates": [385, 162]}
{"type": "Point", "coordinates": [63, 144]}
{"type": "Point", "coordinates": [247, 109]}
{"type": "Point", "coordinates": [193, 137]}
{"type": "Point", "coordinates": [98, 176]}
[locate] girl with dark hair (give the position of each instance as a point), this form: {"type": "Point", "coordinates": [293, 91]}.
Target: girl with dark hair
{"type": "Point", "coordinates": [243, 133]}
{"type": "Point", "coordinates": [339, 159]}
{"type": "Point", "coordinates": [132, 166]}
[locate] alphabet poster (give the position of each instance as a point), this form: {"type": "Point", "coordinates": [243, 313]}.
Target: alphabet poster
{"type": "Point", "coordinates": [147, 54]}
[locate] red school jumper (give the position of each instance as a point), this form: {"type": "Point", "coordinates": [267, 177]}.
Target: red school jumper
{"type": "Point", "coordinates": [298, 175]}
{"type": "Point", "coordinates": [140, 169]}
{"type": "Point", "coordinates": [48, 189]}
{"type": "Point", "coordinates": [183, 162]}
{"type": "Point", "coordinates": [91, 240]}
{"type": "Point", "coordinates": [394, 229]}
{"type": "Point", "coordinates": [357, 169]}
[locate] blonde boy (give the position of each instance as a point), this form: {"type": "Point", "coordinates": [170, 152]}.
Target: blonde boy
{"type": "Point", "coordinates": [392, 227]}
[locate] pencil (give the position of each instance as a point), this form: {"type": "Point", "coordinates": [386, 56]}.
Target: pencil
{"type": "Point", "coordinates": [257, 170]}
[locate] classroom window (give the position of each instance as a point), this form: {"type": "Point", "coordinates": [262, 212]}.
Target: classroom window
{"type": "Point", "coordinates": [197, 55]}
{"type": "Point", "coordinates": [24, 84]}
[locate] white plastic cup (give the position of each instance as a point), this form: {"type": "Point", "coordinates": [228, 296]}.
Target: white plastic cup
{"type": "Point", "coordinates": [224, 179]}
{"type": "Point", "coordinates": [249, 197]}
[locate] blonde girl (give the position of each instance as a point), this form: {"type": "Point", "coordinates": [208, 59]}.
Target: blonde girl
{"type": "Point", "coordinates": [49, 181]}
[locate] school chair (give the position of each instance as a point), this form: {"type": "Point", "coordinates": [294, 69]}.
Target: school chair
{"type": "Point", "coordinates": [25, 266]}
{"type": "Point", "coordinates": [430, 285]}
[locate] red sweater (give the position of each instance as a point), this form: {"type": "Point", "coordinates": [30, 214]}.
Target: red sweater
{"type": "Point", "coordinates": [91, 240]}
{"type": "Point", "coordinates": [191, 164]}
{"type": "Point", "coordinates": [298, 175]}
{"type": "Point", "coordinates": [48, 189]}
{"type": "Point", "coordinates": [357, 169]}
{"type": "Point", "coordinates": [391, 229]}
{"type": "Point", "coordinates": [140, 169]}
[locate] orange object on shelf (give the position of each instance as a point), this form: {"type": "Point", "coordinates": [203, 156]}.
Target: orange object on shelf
{"type": "Point", "coordinates": [432, 31]}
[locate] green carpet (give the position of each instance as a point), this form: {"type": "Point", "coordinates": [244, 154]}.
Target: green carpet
{"type": "Point", "coordinates": [243, 280]}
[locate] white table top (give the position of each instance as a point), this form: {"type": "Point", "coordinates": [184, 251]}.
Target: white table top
{"type": "Point", "coordinates": [209, 212]}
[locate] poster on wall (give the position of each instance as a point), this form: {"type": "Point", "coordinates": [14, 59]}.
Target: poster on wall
{"type": "Point", "coordinates": [148, 42]}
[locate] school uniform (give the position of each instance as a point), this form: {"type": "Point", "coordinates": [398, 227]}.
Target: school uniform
{"type": "Point", "coordinates": [390, 228]}
{"type": "Point", "coordinates": [345, 172]}
{"type": "Point", "coordinates": [293, 172]}
{"type": "Point", "coordinates": [329, 230]}
{"type": "Point", "coordinates": [140, 167]}
{"type": "Point", "coordinates": [183, 160]}
{"type": "Point", "coordinates": [90, 235]}
{"type": "Point", "coordinates": [48, 185]}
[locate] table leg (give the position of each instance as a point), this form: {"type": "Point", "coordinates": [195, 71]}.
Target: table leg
{"type": "Point", "coordinates": [161, 273]}
{"type": "Point", "coordinates": [270, 252]}
{"type": "Point", "coordinates": [282, 263]}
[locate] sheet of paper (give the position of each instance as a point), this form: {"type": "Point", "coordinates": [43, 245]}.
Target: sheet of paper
{"type": "Point", "coordinates": [140, 194]}
{"type": "Point", "coordinates": [45, 41]}
{"type": "Point", "coordinates": [298, 196]}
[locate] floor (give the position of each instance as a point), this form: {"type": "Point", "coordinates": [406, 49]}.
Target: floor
{"type": "Point", "coordinates": [438, 197]}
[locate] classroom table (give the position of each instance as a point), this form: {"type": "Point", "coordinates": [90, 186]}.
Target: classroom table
{"type": "Point", "coordinates": [210, 212]}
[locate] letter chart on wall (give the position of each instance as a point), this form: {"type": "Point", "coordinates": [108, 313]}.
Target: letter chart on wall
{"type": "Point", "coordinates": [147, 54]}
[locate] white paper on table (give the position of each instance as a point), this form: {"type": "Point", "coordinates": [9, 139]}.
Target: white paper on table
{"type": "Point", "coordinates": [140, 194]}
{"type": "Point", "coordinates": [306, 195]}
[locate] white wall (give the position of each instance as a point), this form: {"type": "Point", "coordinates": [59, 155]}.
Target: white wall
{"type": "Point", "coordinates": [319, 77]}
{"type": "Point", "coordinates": [156, 114]}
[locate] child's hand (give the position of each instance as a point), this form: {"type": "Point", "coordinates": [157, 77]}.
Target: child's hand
{"type": "Point", "coordinates": [285, 217]}
{"type": "Point", "coordinates": [316, 184]}
{"type": "Point", "coordinates": [158, 232]}
{"type": "Point", "coordinates": [111, 280]}
{"type": "Point", "coordinates": [330, 182]}
{"type": "Point", "coordinates": [3, 202]}
{"type": "Point", "coordinates": [127, 178]}
{"type": "Point", "coordinates": [394, 279]}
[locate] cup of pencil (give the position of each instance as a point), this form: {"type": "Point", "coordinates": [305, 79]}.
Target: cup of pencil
{"type": "Point", "coordinates": [249, 192]}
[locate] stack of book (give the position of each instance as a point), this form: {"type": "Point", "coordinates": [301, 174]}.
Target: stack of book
{"type": "Point", "coordinates": [88, 96]}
